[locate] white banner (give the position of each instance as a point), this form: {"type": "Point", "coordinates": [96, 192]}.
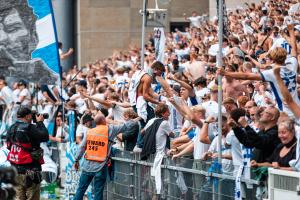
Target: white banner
{"type": "Point", "coordinates": [159, 44]}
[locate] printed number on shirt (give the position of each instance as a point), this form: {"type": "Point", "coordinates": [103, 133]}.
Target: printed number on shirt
{"type": "Point", "coordinates": [287, 47]}
{"type": "Point", "coordinates": [93, 148]}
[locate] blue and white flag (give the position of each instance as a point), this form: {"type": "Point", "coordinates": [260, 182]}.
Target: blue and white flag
{"type": "Point", "coordinates": [28, 41]}
{"type": "Point", "coordinates": [159, 43]}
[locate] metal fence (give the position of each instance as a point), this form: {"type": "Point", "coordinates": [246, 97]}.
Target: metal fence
{"type": "Point", "coordinates": [182, 178]}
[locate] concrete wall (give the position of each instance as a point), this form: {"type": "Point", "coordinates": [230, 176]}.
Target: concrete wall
{"type": "Point", "coordinates": [230, 4]}
{"type": "Point", "coordinates": [106, 25]}
{"type": "Point", "coordinates": [63, 13]}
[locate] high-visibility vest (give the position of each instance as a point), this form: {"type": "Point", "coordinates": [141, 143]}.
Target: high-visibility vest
{"type": "Point", "coordinates": [97, 144]}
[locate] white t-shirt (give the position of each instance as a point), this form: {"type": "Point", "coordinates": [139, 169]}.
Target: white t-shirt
{"type": "Point", "coordinates": [260, 99]}
{"type": "Point", "coordinates": [195, 21]}
{"type": "Point", "coordinates": [163, 132]}
{"type": "Point", "coordinates": [290, 81]}
{"type": "Point", "coordinates": [199, 147]}
{"type": "Point", "coordinates": [120, 82]}
{"type": "Point", "coordinates": [81, 130]}
{"type": "Point", "coordinates": [80, 103]}
{"type": "Point", "coordinates": [60, 133]}
{"type": "Point", "coordinates": [225, 149]}
{"type": "Point", "coordinates": [236, 150]}
{"type": "Point", "coordinates": [211, 108]}
{"type": "Point", "coordinates": [175, 118]}
{"type": "Point", "coordinates": [117, 113]}
{"type": "Point", "coordinates": [7, 95]}
{"type": "Point", "coordinates": [281, 42]}
{"type": "Point", "coordinates": [291, 63]}
{"type": "Point", "coordinates": [214, 49]}
{"type": "Point", "coordinates": [16, 94]}
{"type": "Point", "coordinates": [201, 93]}
{"type": "Point", "coordinates": [27, 100]}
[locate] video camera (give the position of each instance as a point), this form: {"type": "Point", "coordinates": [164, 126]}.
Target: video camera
{"type": "Point", "coordinates": [7, 182]}
{"type": "Point", "coordinates": [34, 114]}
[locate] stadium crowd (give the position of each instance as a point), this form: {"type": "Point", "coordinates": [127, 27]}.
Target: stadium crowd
{"type": "Point", "coordinates": [171, 107]}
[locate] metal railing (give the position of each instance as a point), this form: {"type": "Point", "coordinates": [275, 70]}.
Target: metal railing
{"type": "Point", "coordinates": [182, 178]}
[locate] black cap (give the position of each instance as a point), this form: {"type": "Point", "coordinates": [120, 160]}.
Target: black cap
{"type": "Point", "coordinates": [23, 111]}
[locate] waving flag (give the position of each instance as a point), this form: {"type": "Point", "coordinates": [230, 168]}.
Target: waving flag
{"type": "Point", "coordinates": [159, 43]}
{"type": "Point", "coordinates": [28, 41]}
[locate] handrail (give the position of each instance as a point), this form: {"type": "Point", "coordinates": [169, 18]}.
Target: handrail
{"type": "Point", "coordinates": [182, 169]}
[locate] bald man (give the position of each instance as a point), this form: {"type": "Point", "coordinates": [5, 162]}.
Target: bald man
{"type": "Point", "coordinates": [265, 141]}
{"type": "Point", "coordinates": [96, 145]}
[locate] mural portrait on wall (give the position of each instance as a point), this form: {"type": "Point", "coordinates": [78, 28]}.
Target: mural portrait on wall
{"type": "Point", "coordinates": [19, 41]}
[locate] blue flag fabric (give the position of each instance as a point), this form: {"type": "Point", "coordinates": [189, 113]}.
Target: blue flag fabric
{"type": "Point", "coordinates": [47, 48]}
{"type": "Point", "coordinates": [28, 42]}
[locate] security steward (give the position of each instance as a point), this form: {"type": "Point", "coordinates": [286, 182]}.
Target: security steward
{"type": "Point", "coordinates": [96, 145]}
{"type": "Point", "coordinates": [23, 141]}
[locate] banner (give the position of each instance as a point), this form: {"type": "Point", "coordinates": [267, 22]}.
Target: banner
{"type": "Point", "coordinates": [28, 41]}
{"type": "Point", "coordinates": [72, 176]}
{"type": "Point", "coordinates": [159, 44]}
{"type": "Point", "coordinates": [225, 18]}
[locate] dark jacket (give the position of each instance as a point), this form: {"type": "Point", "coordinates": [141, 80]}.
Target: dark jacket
{"type": "Point", "coordinates": [36, 134]}
{"type": "Point", "coordinates": [264, 142]}
{"type": "Point", "coordinates": [150, 139]}
{"type": "Point", "coordinates": [130, 136]}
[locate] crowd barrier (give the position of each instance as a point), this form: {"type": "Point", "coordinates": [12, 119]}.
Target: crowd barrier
{"type": "Point", "coordinates": [183, 178]}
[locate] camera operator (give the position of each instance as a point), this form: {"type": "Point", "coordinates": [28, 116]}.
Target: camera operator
{"type": "Point", "coordinates": [23, 141]}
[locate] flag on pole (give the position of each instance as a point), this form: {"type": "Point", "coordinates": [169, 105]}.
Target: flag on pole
{"type": "Point", "coordinates": [159, 44]}
{"type": "Point", "coordinates": [225, 18]}
{"type": "Point", "coordinates": [28, 42]}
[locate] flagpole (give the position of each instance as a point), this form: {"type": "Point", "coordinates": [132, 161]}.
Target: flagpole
{"type": "Point", "coordinates": [144, 14]}
{"type": "Point", "coordinates": [219, 65]}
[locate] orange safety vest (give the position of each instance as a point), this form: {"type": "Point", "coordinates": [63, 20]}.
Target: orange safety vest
{"type": "Point", "coordinates": [97, 143]}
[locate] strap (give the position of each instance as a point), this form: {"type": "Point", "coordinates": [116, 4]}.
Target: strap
{"type": "Point", "coordinates": [262, 44]}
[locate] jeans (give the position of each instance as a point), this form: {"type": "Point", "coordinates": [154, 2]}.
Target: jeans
{"type": "Point", "coordinates": [99, 183]}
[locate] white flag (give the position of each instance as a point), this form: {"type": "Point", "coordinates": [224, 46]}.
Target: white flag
{"type": "Point", "coordinates": [159, 43]}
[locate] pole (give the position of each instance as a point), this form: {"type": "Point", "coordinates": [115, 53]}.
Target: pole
{"type": "Point", "coordinates": [144, 14]}
{"type": "Point", "coordinates": [219, 65]}
{"type": "Point", "coordinates": [78, 34]}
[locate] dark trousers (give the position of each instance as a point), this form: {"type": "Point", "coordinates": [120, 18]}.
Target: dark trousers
{"type": "Point", "coordinates": [151, 114]}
